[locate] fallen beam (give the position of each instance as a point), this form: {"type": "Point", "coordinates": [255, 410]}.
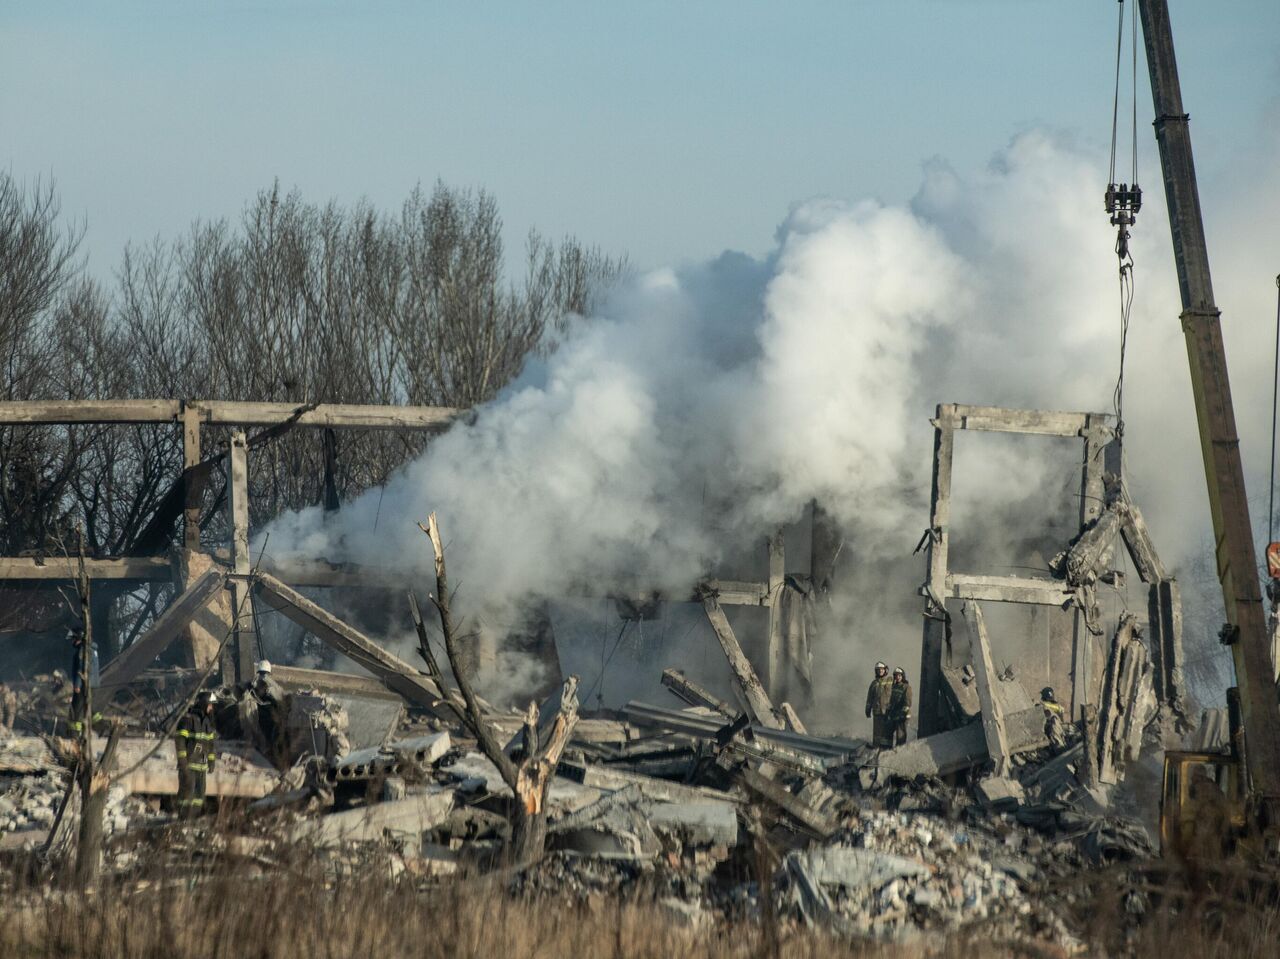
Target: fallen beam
{"type": "Point", "coordinates": [398, 675]}
{"type": "Point", "coordinates": [1137, 538]}
{"type": "Point", "coordinates": [693, 694]}
{"type": "Point", "coordinates": [682, 722]}
{"type": "Point", "coordinates": [403, 819]}
{"type": "Point", "coordinates": [959, 749]}
{"type": "Point", "coordinates": [774, 793]}
{"type": "Point", "coordinates": [604, 777]}
{"type": "Point", "coordinates": [1084, 560]}
{"type": "Point", "coordinates": [793, 719]}
{"type": "Point", "coordinates": [757, 700]}
{"type": "Point", "coordinates": [985, 679]}
{"type": "Point", "coordinates": [241, 772]}
{"type": "Point", "coordinates": [296, 679]}
{"type": "Point", "coordinates": [143, 651]}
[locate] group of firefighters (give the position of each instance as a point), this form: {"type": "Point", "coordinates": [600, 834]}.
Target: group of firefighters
{"type": "Point", "coordinates": [260, 705]}
{"type": "Point", "coordinates": [889, 707]}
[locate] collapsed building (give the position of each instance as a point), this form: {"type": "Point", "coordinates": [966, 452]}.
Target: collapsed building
{"type": "Point", "coordinates": [971, 818]}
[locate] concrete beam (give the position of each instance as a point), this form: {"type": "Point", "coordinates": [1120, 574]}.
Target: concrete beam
{"type": "Point", "coordinates": [404, 819]}
{"type": "Point", "coordinates": [398, 675]}
{"type": "Point", "coordinates": [993, 419]}
{"type": "Point", "coordinates": [985, 679]}
{"type": "Point", "coordinates": [167, 627]}
{"type": "Point", "coordinates": [963, 748]}
{"type": "Point", "coordinates": [695, 695]}
{"type": "Point", "coordinates": [145, 569]}
{"type": "Point", "coordinates": [1033, 590]}
{"type": "Point", "coordinates": [225, 413]}
{"type": "Point", "coordinates": [775, 660]}
{"type": "Point", "coordinates": [296, 679]}
{"type": "Point", "coordinates": [758, 703]}
{"type": "Point", "coordinates": [935, 640]}
{"type": "Point", "coordinates": [245, 644]}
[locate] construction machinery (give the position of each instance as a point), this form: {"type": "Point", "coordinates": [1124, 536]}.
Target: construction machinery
{"type": "Point", "coordinates": [1248, 776]}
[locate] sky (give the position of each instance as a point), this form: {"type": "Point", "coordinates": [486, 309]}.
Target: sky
{"type": "Point", "coordinates": [670, 133]}
{"type": "Point", "coordinates": [666, 131]}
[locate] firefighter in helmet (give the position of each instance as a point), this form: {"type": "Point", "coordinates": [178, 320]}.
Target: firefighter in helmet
{"type": "Point", "coordinates": [878, 707]}
{"type": "Point", "coordinates": [194, 740]}
{"type": "Point", "coordinates": [1055, 718]}
{"type": "Point", "coordinates": [899, 706]}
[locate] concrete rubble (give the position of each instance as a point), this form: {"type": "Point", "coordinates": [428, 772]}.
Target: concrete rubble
{"type": "Point", "coordinates": [722, 808]}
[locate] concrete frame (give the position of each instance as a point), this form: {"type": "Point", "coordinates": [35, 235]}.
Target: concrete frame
{"type": "Point", "coordinates": [1102, 455]}
{"type": "Point", "coordinates": [191, 415]}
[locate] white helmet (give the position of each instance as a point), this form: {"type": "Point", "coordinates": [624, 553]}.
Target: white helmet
{"type": "Point", "coordinates": [263, 666]}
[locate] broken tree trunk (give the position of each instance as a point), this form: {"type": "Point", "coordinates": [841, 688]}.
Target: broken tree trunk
{"type": "Point", "coordinates": [757, 700]}
{"type": "Point", "coordinates": [94, 782]}
{"type": "Point", "coordinates": [531, 777]}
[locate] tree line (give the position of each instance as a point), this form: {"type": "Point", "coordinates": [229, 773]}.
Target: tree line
{"type": "Point", "coordinates": [293, 302]}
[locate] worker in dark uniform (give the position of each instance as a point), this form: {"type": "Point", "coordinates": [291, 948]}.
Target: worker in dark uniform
{"type": "Point", "coordinates": [78, 678]}
{"type": "Point", "coordinates": [899, 706]}
{"type": "Point", "coordinates": [260, 706]}
{"type": "Point", "coordinates": [1055, 719]}
{"type": "Point", "coordinates": [194, 741]}
{"type": "Point", "coordinates": [878, 707]}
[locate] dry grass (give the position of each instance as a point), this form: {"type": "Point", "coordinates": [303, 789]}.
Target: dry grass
{"type": "Point", "coordinates": [186, 907]}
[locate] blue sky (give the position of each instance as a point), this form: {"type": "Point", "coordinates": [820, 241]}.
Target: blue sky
{"type": "Point", "coordinates": [669, 131]}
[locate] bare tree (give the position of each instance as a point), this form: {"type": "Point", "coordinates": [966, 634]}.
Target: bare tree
{"type": "Point", "coordinates": [530, 777]}
{"type": "Point", "coordinates": [294, 302]}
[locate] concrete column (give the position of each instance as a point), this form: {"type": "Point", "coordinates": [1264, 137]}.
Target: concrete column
{"type": "Point", "coordinates": [935, 584]}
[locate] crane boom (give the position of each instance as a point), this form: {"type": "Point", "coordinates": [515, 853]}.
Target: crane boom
{"type": "Point", "coordinates": [1219, 443]}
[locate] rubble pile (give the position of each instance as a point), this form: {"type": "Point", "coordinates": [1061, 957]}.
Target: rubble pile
{"type": "Point", "coordinates": [881, 843]}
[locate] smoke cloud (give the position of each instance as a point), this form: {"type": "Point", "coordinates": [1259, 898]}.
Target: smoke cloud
{"type": "Point", "coordinates": [662, 440]}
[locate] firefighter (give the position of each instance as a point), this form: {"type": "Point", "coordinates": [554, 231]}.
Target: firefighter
{"type": "Point", "coordinates": [1054, 719]}
{"type": "Point", "coordinates": [878, 707]}
{"type": "Point", "coordinates": [78, 678]}
{"type": "Point", "coordinates": [899, 706]}
{"type": "Point", "coordinates": [194, 742]}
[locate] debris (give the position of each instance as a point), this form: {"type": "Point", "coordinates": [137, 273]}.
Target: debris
{"type": "Point", "coordinates": [403, 820]}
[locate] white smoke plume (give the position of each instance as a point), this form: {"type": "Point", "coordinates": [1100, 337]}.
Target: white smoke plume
{"type": "Point", "coordinates": [662, 440]}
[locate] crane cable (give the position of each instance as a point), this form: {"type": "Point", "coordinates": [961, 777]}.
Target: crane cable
{"type": "Point", "coordinates": [1124, 200]}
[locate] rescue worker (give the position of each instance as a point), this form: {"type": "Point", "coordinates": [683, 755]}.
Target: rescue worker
{"type": "Point", "coordinates": [1055, 719]}
{"type": "Point", "coordinates": [77, 673]}
{"type": "Point", "coordinates": [194, 742]}
{"type": "Point", "coordinates": [268, 700]}
{"type": "Point", "coordinates": [899, 706]}
{"type": "Point", "coordinates": [878, 707]}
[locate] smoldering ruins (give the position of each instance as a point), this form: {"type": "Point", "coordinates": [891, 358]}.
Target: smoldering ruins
{"type": "Point", "coordinates": [605, 634]}
{"type": "Point", "coordinates": [386, 747]}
